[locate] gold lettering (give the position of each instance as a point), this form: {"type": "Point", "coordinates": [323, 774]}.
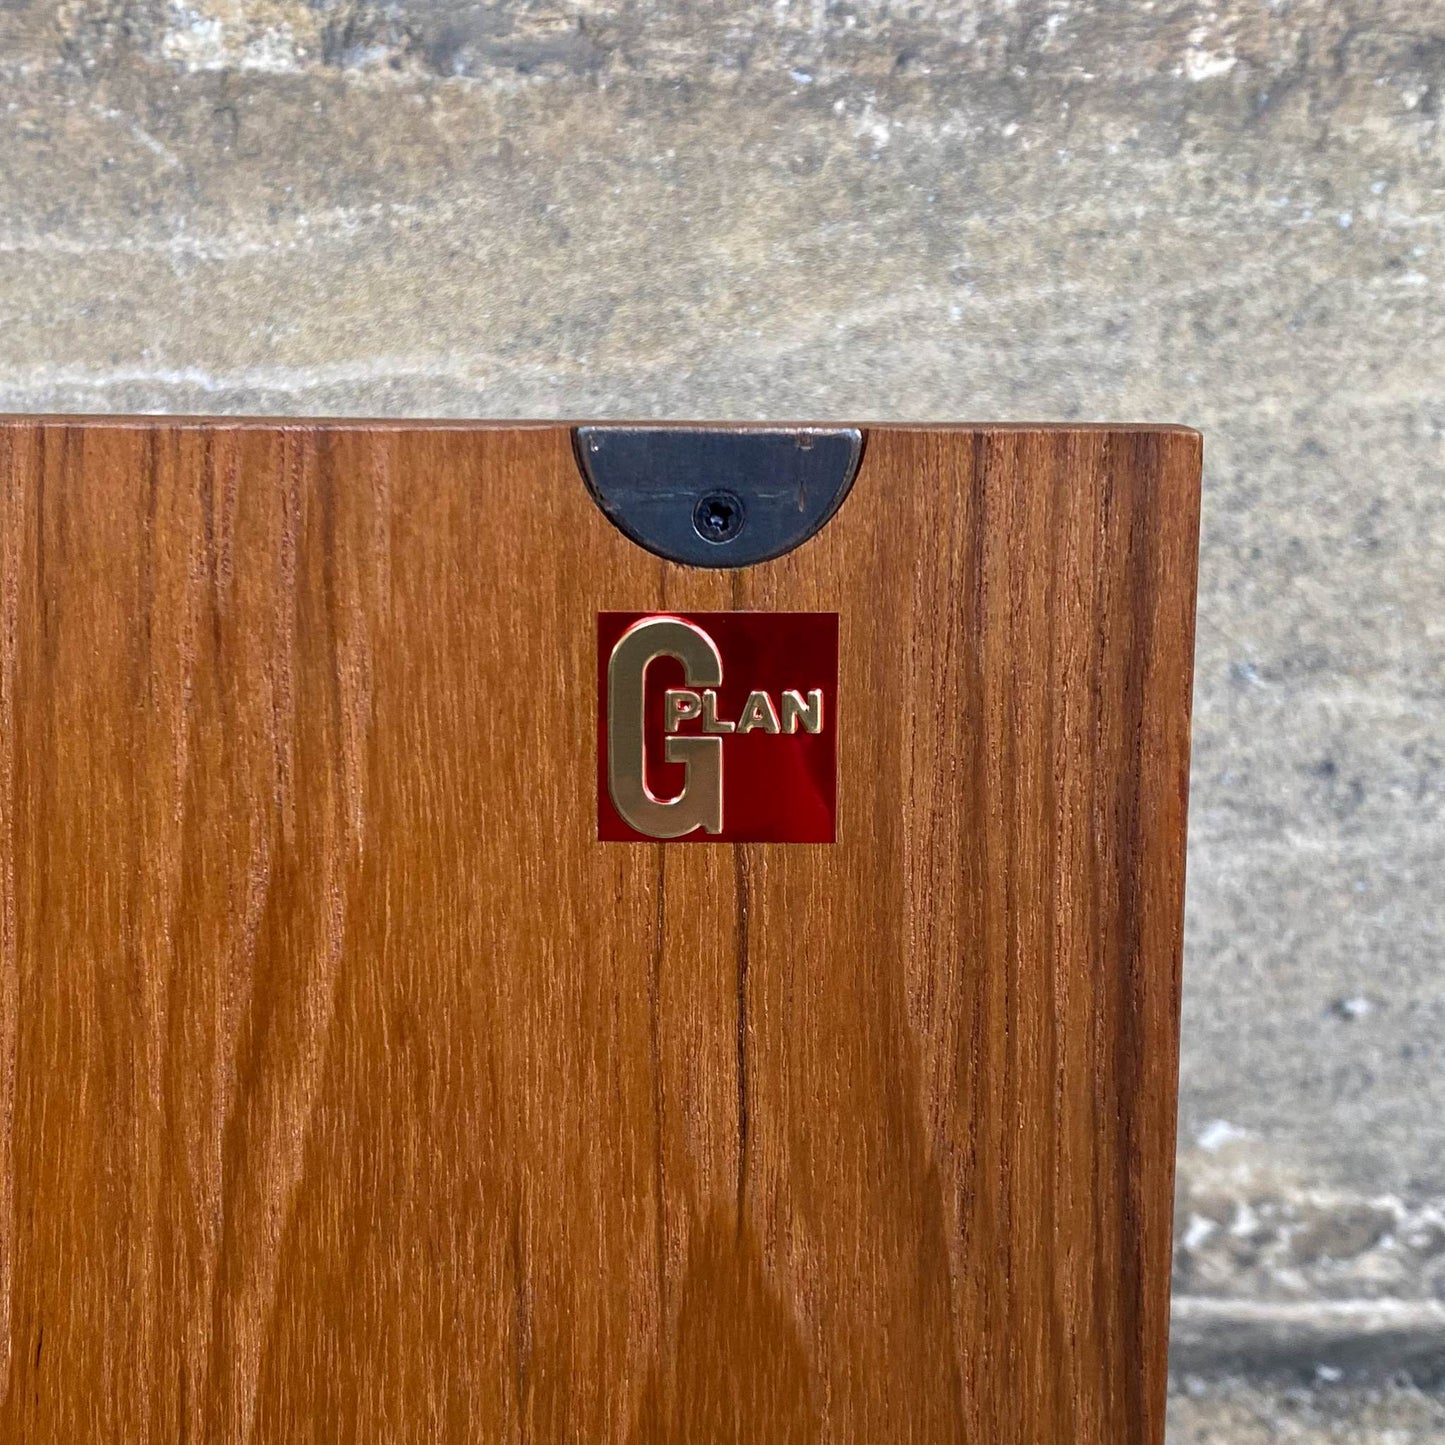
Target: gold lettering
{"type": "Point", "coordinates": [711, 722]}
{"type": "Point", "coordinates": [699, 805]}
{"type": "Point", "coordinates": [758, 713]}
{"type": "Point", "coordinates": [809, 713]}
{"type": "Point", "coordinates": [681, 705]}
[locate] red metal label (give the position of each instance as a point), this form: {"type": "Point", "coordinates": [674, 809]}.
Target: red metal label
{"type": "Point", "coordinates": [717, 727]}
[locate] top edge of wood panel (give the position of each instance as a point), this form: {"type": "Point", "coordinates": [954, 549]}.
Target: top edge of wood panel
{"type": "Point", "coordinates": [398, 424]}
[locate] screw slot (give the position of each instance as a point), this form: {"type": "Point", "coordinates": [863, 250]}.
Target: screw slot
{"type": "Point", "coordinates": [718, 517]}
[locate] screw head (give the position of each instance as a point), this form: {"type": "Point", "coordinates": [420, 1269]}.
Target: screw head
{"type": "Point", "coordinates": [718, 517]}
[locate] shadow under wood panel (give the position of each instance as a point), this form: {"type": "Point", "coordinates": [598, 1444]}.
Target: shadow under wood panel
{"type": "Point", "coordinates": [353, 1092]}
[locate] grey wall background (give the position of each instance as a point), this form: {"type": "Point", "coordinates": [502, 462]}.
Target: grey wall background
{"type": "Point", "coordinates": [1228, 214]}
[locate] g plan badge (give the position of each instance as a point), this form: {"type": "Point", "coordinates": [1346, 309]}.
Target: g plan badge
{"type": "Point", "coordinates": [717, 726]}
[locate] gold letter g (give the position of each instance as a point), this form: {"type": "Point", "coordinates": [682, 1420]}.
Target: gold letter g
{"type": "Point", "coordinates": [699, 805]}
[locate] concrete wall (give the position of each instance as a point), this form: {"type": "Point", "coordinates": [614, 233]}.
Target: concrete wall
{"type": "Point", "coordinates": [1229, 214]}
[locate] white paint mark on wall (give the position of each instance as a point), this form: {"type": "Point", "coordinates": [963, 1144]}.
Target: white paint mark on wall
{"type": "Point", "coordinates": [1204, 60]}
{"type": "Point", "coordinates": [1217, 1133]}
{"type": "Point", "coordinates": [219, 35]}
{"type": "Point", "coordinates": [1199, 1231]}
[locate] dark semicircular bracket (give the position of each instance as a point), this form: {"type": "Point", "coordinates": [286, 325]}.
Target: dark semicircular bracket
{"type": "Point", "coordinates": [718, 497]}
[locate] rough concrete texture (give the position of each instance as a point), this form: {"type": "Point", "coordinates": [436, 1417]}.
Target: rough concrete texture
{"type": "Point", "coordinates": [1228, 214]}
{"type": "Point", "coordinates": [1234, 1414]}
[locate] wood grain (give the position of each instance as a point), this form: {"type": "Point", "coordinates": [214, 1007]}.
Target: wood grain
{"type": "Point", "coordinates": [349, 1091]}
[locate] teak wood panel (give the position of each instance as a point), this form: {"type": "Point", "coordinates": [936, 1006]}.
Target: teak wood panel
{"type": "Point", "coordinates": [353, 1092]}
